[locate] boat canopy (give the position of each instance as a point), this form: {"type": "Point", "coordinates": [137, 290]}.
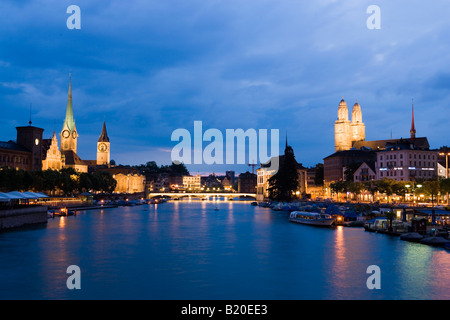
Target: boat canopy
{"type": "Point", "coordinates": [306, 214]}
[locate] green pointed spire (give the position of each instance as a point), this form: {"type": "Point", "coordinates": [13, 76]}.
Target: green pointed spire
{"type": "Point", "coordinates": [69, 121]}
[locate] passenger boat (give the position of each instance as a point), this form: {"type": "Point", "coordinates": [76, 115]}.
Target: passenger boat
{"type": "Point", "coordinates": [64, 212]}
{"type": "Point", "coordinates": [312, 218]}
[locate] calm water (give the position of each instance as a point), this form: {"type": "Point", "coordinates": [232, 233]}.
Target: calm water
{"type": "Point", "coordinates": [187, 250]}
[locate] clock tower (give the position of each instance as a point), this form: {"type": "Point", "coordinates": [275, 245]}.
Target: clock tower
{"type": "Point", "coordinates": [103, 151]}
{"type": "Point", "coordinates": [69, 133]}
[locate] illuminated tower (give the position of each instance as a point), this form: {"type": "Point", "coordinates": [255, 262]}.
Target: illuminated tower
{"type": "Point", "coordinates": [103, 151]}
{"type": "Point", "coordinates": [358, 128]}
{"type": "Point", "coordinates": [342, 129]}
{"type": "Point", "coordinates": [69, 133]}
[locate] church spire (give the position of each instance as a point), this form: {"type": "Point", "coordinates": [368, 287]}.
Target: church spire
{"type": "Point", "coordinates": [69, 121]}
{"type": "Point", "coordinates": [413, 129]}
{"type": "Point", "coordinates": [104, 135]}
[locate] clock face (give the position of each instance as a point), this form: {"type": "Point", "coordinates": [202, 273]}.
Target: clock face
{"type": "Point", "coordinates": [74, 134]}
{"type": "Point", "coordinates": [36, 142]}
{"type": "Point", "coordinates": [102, 147]}
{"type": "Point", "coordinates": [66, 133]}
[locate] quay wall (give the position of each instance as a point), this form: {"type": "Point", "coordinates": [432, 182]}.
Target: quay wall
{"type": "Point", "coordinates": [14, 218]}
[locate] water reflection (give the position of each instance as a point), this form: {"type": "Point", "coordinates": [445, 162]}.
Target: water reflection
{"type": "Point", "coordinates": [187, 250]}
{"type": "Point", "coordinates": [340, 266]}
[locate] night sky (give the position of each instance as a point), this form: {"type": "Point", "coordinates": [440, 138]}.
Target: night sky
{"type": "Point", "coordinates": [150, 67]}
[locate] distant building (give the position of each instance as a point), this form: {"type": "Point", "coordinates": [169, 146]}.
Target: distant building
{"type": "Point", "coordinates": [211, 181]}
{"type": "Point", "coordinates": [335, 164]}
{"type": "Point", "coordinates": [227, 184]}
{"type": "Point", "coordinates": [52, 158]}
{"type": "Point", "coordinates": [365, 172]}
{"type": "Point", "coordinates": [176, 183]}
{"type": "Point", "coordinates": [129, 180]}
{"type": "Point", "coordinates": [247, 182]}
{"type": "Point", "coordinates": [313, 189]}
{"type": "Point", "coordinates": [231, 176]}
{"type": "Point", "coordinates": [192, 183]}
{"type": "Point", "coordinates": [406, 162]}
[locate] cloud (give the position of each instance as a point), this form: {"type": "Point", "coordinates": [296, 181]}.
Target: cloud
{"type": "Point", "coordinates": [150, 67]}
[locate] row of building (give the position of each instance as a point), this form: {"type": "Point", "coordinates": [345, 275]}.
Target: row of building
{"type": "Point", "coordinates": [404, 159]}
{"type": "Point", "coordinates": [399, 159]}
{"type": "Point", "coordinates": [31, 152]}
{"type": "Point", "coordinates": [244, 183]}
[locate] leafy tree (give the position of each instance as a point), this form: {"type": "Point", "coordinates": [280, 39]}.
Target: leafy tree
{"type": "Point", "coordinates": [385, 186]}
{"type": "Point", "coordinates": [431, 188]}
{"type": "Point", "coordinates": [337, 187]}
{"type": "Point", "coordinates": [51, 180]}
{"type": "Point", "coordinates": [355, 187]}
{"type": "Point", "coordinates": [68, 181]}
{"type": "Point", "coordinates": [85, 182]}
{"type": "Point", "coordinates": [103, 181]}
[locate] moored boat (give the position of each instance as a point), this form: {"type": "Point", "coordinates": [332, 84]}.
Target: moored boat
{"type": "Point", "coordinates": [64, 212]}
{"type": "Point", "coordinates": [312, 218]}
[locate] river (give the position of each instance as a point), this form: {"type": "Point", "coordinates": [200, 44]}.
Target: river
{"type": "Point", "coordinates": [188, 250]}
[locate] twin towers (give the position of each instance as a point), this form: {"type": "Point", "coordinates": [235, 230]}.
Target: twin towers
{"type": "Point", "coordinates": [347, 132]}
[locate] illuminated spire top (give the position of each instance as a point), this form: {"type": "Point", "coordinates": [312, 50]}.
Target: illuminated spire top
{"type": "Point", "coordinates": [413, 129]}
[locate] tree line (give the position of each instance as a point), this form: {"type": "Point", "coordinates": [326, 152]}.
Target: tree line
{"type": "Point", "coordinates": [63, 182]}
{"type": "Point", "coordinates": [390, 187]}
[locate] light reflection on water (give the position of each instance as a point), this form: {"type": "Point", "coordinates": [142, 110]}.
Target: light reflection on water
{"type": "Point", "coordinates": [189, 250]}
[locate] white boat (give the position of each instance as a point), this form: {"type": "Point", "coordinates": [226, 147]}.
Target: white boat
{"type": "Point", "coordinates": [312, 218]}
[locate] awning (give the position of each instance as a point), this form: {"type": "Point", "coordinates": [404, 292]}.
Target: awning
{"type": "Point", "coordinates": [4, 197]}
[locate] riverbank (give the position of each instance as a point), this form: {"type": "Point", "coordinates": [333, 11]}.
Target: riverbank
{"type": "Point", "coordinates": [22, 216]}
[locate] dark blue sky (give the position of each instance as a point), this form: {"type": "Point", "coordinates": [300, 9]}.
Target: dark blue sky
{"type": "Point", "coordinates": [150, 67]}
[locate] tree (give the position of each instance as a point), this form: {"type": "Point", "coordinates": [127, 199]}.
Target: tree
{"type": "Point", "coordinates": [431, 188]}
{"type": "Point", "coordinates": [103, 181]}
{"type": "Point", "coordinates": [355, 187]}
{"type": "Point", "coordinates": [337, 187]}
{"type": "Point", "coordinates": [284, 183]}
{"type": "Point", "coordinates": [445, 187]}
{"type": "Point", "coordinates": [178, 170]}
{"type": "Point", "coordinates": [85, 182]}
{"type": "Point", "coordinates": [385, 186]}
{"type": "Point", "coordinates": [68, 181]}
{"type": "Point", "coordinates": [51, 179]}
